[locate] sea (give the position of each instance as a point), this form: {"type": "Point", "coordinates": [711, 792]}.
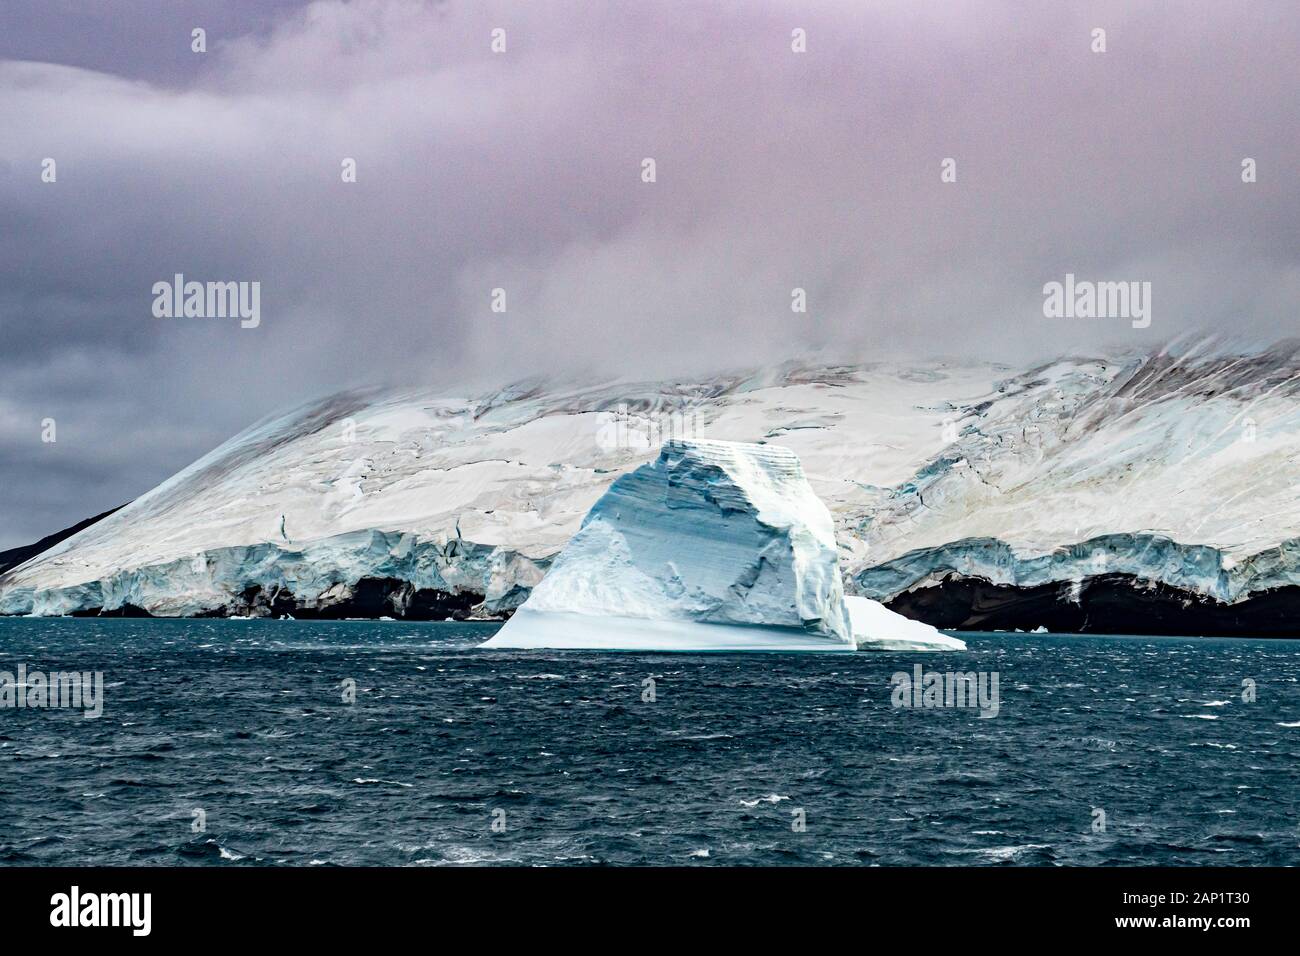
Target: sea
{"type": "Point", "coordinates": [243, 743]}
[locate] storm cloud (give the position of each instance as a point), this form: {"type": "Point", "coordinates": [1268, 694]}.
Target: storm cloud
{"type": "Point", "coordinates": [522, 171]}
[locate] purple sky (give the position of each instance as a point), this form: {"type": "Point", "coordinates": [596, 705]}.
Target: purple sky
{"type": "Point", "coordinates": [522, 171]}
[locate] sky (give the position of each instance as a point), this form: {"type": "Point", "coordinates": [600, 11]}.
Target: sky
{"type": "Point", "coordinates": [523, 169]}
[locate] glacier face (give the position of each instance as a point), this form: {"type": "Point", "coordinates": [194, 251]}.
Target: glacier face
{"type": "Point", "coordinates": [314, 577]}
{"type": "Point", "coordinates": [1177, 470]}
{"type": "Point", "coordinates": [727, 535]}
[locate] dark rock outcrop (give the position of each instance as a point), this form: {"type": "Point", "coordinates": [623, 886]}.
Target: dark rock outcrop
{"type": "Point", "coordinates": [1107, 604]}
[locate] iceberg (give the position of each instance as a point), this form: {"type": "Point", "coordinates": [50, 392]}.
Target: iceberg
{"type": "Point", "coordinates": [714, 546]}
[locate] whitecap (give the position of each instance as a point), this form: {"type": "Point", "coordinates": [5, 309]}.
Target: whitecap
{"type": "Point", "coordinates": [770, 798]}
{"type": "Point", "coordinates": [1008, 852]}
{"type": "Point", "coordinates": [391, 783]}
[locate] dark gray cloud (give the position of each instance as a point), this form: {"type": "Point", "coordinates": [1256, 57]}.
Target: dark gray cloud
{"type": "Point", "coordinates": [521, 171]}
{"type": "Point", "coordinates": [141, 39]}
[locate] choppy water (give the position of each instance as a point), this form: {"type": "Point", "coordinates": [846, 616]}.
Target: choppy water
{"type": "Point", "coordinates": [245, 720]}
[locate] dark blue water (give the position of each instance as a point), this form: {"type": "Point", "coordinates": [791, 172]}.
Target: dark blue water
{"type": "Point", "coordinates": [245, 720]}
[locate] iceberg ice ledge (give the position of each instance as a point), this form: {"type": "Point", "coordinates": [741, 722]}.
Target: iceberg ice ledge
{"type": "Point", "coordinates": [715, 546]}
{"type": "Point", "coordinates": [566, 630]}
{"type": "Point", "coordinates": [877, 628]}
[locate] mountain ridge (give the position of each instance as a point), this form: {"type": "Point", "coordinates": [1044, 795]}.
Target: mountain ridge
{"type": "Point", "coordinates": [1172, 470]}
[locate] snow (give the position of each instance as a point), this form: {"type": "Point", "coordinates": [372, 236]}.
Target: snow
{"type": "Point", "coordinates": [713, 546]}
{"type": "Point", "coordinates": [1175, 469]}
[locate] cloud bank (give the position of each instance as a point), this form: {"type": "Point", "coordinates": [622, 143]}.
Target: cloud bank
{"type": "Point", "coordinates": [522, 170]}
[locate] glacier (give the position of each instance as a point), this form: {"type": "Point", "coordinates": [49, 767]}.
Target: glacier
{"type": "Point", "coordinates": [1170, 476]}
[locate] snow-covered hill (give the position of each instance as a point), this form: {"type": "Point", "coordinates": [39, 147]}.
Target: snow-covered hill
{"type": "Point", "coordinates": [1181, 473]}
